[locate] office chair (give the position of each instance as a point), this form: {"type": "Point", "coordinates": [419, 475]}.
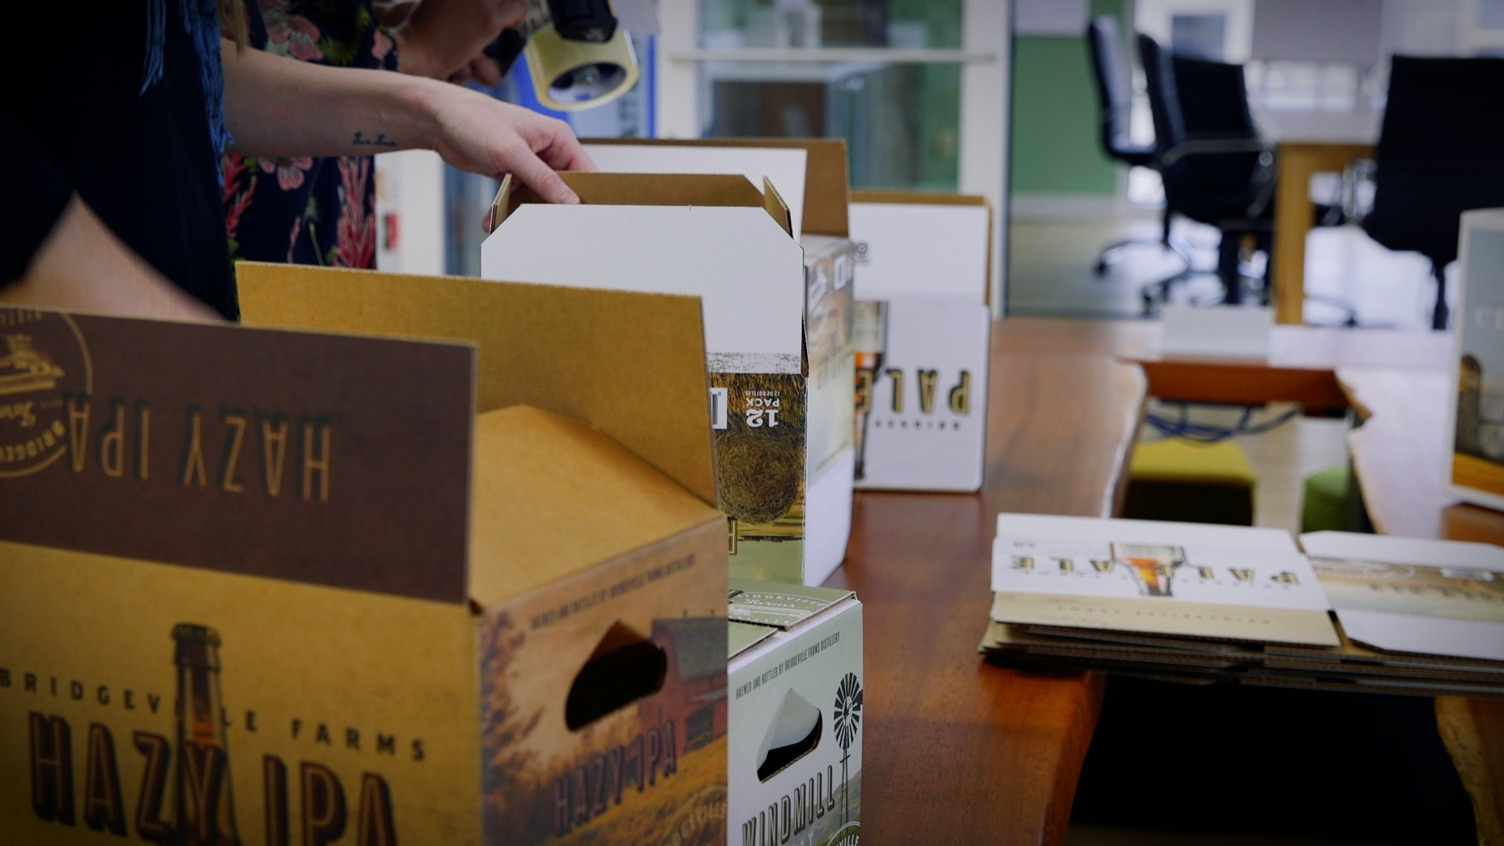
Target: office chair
{"type": "Point", "coordinates": [1215, 167]}
{"type": "Point", "coordinates": [1440, 152]}
{"type": "Point", "coordinates": [1114, 78]}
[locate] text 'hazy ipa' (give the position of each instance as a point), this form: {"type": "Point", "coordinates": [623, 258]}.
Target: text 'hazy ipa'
{"type": "Point", "coordinates": [205, 807]}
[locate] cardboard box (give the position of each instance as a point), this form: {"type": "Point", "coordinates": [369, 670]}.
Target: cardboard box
{"type": "Point", "coordinates": [784, 483]}
{"type": "Point", "coordinates": [921, 340]}
{"type": "Point", "coordinates": [274, 601]}
{"type": "Point", "coordinates": [795, 738]}
{"type": "Point", "coordinates": [1475, 463]}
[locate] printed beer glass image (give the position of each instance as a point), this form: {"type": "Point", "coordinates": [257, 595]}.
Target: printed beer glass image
{"type": "Point", "coordinates": [869, 341]}
{"type": "Point", "coordinates": [1153, 566]}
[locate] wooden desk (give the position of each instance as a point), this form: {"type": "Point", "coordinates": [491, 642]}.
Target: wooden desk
{"type": "Point", "coordinates": [956, 750]}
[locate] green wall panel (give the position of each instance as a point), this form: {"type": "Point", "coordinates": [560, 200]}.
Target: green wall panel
{"type": "Point", "coordinates": [1055, 145]}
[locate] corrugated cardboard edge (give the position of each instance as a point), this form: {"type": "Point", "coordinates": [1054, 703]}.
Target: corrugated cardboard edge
{"type": "Point", "coordinates": [650, 189]}
{"type": "Point", "coordinates": [930, 198]}
{"type": "Point", "coordinates": [827, 186]}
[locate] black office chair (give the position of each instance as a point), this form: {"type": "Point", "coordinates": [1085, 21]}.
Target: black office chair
{"type": "Point", "coordinates": [1114, 77]}
{"type": "Point", "coordinates": [1215, 167]}
{"type": "Point", "coordinates": [1440, 153]}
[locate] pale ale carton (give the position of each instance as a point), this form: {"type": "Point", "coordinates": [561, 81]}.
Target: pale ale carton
{"type": "Point", "coordinates": [287, 587]}
{"type": "Point", "coordinates": [921, 340]}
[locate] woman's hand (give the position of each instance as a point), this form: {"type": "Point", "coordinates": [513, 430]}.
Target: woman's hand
{"type": "Point", "coordinates": [484, 135]}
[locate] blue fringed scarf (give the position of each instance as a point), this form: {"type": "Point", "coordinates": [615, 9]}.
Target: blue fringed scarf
{"type": "Point", "coordinates": [201, 22]}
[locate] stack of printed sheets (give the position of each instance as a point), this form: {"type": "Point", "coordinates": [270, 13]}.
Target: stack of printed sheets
{"type": "Point", "coordinates": [1206, 604]}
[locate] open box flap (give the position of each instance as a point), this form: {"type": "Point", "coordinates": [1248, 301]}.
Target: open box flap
{"type": "Point", "coordinates": [826, 181]}
{"type": "Point", "coordinates": [649, 189]}
{"type": "Point", "coordinates": [749, 273]}
{"type": "Point", "coordinates": [330, 460]}
{"type": "Point", "coordinates": [913, 271]}
{"type": "Point", "coordinates": [553, 496]}
{"type": "Point", "coordinates": [630, 364]}
{"type": "Point", "coordinates": [784, 167]}
{"type": "Point", "coordinates": [780, 605]}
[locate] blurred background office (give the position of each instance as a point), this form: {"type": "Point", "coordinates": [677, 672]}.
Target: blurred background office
{"type": "Point", "coordinates": [998, 98]}
{"type": "Point", "coordinates": [1315, 73]}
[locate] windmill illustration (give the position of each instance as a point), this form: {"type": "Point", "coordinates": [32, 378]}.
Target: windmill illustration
{"type": "Point", "coordinates": [848, 718]}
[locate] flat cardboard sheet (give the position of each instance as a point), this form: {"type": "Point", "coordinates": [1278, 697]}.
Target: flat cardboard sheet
{"type": "Point", "coordinates": [1183, 580]}
{"type": "Point", "coordinates": [1416, 596]}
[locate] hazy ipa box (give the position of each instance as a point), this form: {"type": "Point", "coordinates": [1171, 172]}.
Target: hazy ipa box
{"type": "Point", "coordinates": [795, 755]}
{"type": "Point", "coordinates": [1475, 464]}
{"type": "Point", "coordinates": [776, 340]}
{"type": "Point", "coordinates": [310, 597]}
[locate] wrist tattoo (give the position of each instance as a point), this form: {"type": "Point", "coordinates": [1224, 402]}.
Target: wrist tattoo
{"type": "Point", "coordinates": [360, 140]}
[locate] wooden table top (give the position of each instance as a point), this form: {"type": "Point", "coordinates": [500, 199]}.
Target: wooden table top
{"type": "Point", "coordinates": [1399, 457]}
{"type": "Point", "coordinates": [957, 750]}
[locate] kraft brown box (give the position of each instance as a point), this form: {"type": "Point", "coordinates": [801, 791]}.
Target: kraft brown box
{"type": "Point", "coordinates": [257, 590]}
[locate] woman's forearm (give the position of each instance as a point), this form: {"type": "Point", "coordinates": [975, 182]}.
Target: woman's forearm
{"type": "Point", "coordinates": [276, 106]}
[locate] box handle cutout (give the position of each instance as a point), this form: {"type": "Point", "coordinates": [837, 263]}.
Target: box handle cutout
{"type": "Point", "coordinates": [795, 732]}
{"type": "Point", "coordinates": [624, 668]}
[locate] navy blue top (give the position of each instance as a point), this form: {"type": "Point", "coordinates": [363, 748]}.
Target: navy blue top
{"type": "Point", "coordinates": [121, 118]}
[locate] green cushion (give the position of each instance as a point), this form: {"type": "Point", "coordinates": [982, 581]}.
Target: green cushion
{"type": "Point", "coordinates": [1191, 462]}
{"type": "Point", "coordinates": [1325, 500]}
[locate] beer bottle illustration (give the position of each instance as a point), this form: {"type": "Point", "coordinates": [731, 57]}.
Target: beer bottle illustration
{"type": "Point", "coordinates": [205, 807]}
{"type": "Point", "coordinates": [1153, 566]}
{"type": "Point", "coordinates": [870, 341]}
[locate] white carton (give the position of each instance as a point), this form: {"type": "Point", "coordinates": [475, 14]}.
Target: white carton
{"type": "Point", "coordinates": [782, 477]}
{"type": "Point", "coordinates": [794, 731]}
{"type": "Point", "coordinates": [1475, 463]}
{"type": "Point", "coordinates": [921, 340]}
